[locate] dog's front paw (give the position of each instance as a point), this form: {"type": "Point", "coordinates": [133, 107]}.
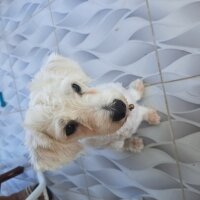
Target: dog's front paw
{"type": "Point", "coordinates": [153, 117]}
{"type": "Point", "coordinates": [138, 85]}
{"type": "Point", "coordinates": [134, 144]}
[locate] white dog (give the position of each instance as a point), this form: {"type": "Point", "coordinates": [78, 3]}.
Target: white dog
{"type": "Point", "coordinates": [65, 114]}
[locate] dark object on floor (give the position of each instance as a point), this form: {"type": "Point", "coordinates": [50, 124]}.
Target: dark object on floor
{"type": "Point", "coordinates": [22, 195]}
{"type": "Point", "coordinates": [10, 174]}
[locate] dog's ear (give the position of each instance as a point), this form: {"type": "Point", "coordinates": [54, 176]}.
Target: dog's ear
{"type": "Point", "coordinates": [46, 153]}
{"type": "Point", "coordinates": [40, 149]}
{"type": "Point", "coordinates": [65, 66]}
{"type": "Point", "coordinates": [38, 142]}
{"type": "Point", "coordinates": [58, 68]}
{"type": "Point", "coordinates": [37, 118]}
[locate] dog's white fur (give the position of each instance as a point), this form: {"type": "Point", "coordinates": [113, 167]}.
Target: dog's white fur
{"type": "Point", "coordinates": [53, 103]}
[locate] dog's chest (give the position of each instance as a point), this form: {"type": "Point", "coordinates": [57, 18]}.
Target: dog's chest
{"type": "Point", "coordinates": [131, 124]}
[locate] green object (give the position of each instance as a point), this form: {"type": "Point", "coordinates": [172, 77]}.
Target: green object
{"type": "Point", "coordinates": [2, 101]}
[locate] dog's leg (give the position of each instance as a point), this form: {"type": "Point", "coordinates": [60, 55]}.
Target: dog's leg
{"type": "Point", "coordinates": [133, 144]}
{"type": "Point", "coordinates": [149, 115]}
{"type": "Point", "coordinates": [136, 89]}
{"type": "Point", "coordinates": [119, 143]}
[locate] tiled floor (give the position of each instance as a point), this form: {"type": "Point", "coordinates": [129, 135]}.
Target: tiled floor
{"type": "Point", "coordinates": [113, 40]}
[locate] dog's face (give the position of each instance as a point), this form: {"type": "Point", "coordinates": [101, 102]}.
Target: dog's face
{"type": "Point", "coordinates": [80, 111]}
{"type": "Point", "coordinates": [64, 108]}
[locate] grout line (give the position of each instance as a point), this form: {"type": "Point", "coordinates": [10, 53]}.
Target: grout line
{"type": "Point", "coordinates": [85, 176]}
{"type": "Point", "coordinates": [172, 81]}
{"type": "Point", "coordinates": [9, 113]}
{"type": "Point", "coordinates": [166, 102]}
{"type": "Point", "coordinates": [14, 79]}
{"type": "Point", "coordinates": [54, 30]}
{"type": "Point", "coordinates": [29, 18]}
{"type": "Point", "coordinates": [76, 192]}
{"type": "Point", "coordinates": [58, 51]}
{"type": "Point", "coordinates": [146, 86]}
{"type": "Point", "coordinates": [182, 79]}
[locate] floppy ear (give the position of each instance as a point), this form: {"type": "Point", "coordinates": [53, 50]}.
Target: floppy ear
{"type": "Point", "coordinates": [65, 66]}
{"type": "Point", "coordinates": [57, 68]}
{"type": "Point", "coordinates": [43, 150]}
{"type": "Point", "coordinates": [47, 154]}
{"type": "Point", "coordinates": [35, 137]}
{"type": "Point", "coordinates": [37, 117]}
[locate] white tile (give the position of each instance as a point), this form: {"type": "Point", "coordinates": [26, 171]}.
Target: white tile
{"type": "Point", "coordinates": [176, 28]}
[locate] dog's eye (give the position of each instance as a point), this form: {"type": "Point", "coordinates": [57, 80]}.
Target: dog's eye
{"type": "Point", "coordinates": [71, 127]}
{"type": "Point", "coordinates": [76, 88]}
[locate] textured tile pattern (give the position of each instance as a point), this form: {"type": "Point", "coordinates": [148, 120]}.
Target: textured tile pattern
{"type": "Point", "coordinates": [115, 41]}
{"type": "Point", "coordinates": [6, 77]}
{"type": "Point", "coordinates": [184, 103]}
{"type": "Point", "coordinates": [26, 57]}
{"type": "Point", "coordinates": [176, 28]}
{"type": "Point", "coordinates": [13, 153]}
{"type": "Point", "coordinates": [16, 12]}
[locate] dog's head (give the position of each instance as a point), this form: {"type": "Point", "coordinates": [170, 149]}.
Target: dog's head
{"type": "Point", "coordinates": [64, 109]}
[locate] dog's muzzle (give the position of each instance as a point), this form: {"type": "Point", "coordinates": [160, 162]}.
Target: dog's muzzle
{"type": "Point", "coordinates": [118, 110]}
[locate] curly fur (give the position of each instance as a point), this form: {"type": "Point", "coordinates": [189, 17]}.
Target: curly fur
{"type": "Point", "coordinates": [53, 103]}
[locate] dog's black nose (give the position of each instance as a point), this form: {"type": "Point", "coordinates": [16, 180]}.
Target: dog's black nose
{"type": "Point", "coordinates": [118, 108]}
